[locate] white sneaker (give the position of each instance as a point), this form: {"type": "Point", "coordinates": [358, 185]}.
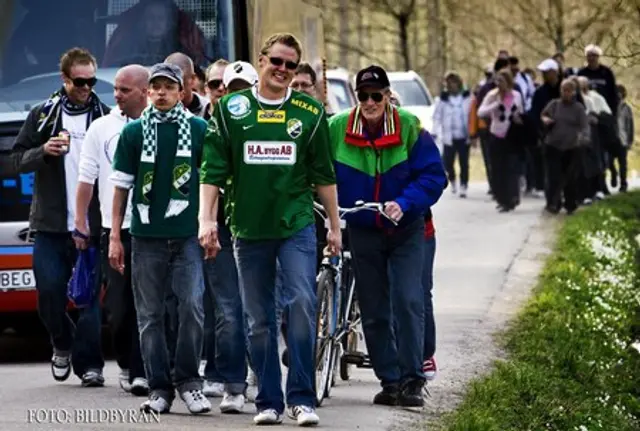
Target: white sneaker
{"type": "Point", "coordinates": [267, 417]}
{"type": "Point", "coordinates": [140, 387]}
{"type": "Point", "coordinates": [463, 191]}
{"type": "Point", "coordinates": [232, 403]}
{"type": "Point", "coordinates": [304, 415]}
{"type": "Point", "coordinates": [599, 196]}
{"type": "Point", "coordinates": [196, 401]}
{"type": "Point", "coordinates": [156, 404]}
{"type": "Point", "coordinates": [123, 379]}
{"type": "Point", "coordinates": [454, 188]}
{"type": "Point", "coordinates": [213, 389]}
{"type": "Point", "coordinates": [61, 367]}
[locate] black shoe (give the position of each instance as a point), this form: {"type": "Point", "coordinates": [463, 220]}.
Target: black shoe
{"type": "Point", "coordinates": [411, 394]}
{"type": "Point", "coordinates": [92, 379]}
{"type": "Point", "coordinates": [551, 209]}
{"type": "Point", "coordinates": [614, 181]}
{"type": "Point", "coordinates": [388, 396]}
{"type": "Point", "coordinates": [623, 187]}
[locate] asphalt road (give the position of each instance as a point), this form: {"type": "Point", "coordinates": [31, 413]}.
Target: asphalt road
{"type": "Point", "coordinates": [476, 248]}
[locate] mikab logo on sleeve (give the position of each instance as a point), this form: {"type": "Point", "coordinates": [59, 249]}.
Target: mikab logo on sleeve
{"type": "Point", "coordinates": [271, 116]}
{"type": "Point", "coordinates": [269, 153]}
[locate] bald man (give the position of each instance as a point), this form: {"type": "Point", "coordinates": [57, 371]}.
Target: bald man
{"type": "Point", "coordinates": [195, 103]}
{"type": "Point", "coordinates": [96, 156]}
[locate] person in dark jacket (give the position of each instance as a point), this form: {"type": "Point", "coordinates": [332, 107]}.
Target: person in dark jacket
{"type": "Point", "coordinates": [549, 90]}
{"type": "Point", "coordinates": [49, 144]}
{"type": "Point", "coordinates": [601, 78]}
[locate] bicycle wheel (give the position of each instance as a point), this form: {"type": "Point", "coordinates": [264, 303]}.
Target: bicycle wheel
{"type": "Point", "coordinates": [350, 340]}
{"type": "Point", "coordinates": [324, 340]}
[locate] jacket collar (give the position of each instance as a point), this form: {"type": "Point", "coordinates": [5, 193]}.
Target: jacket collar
{"type": "Point", "coordinates": [356, 134]}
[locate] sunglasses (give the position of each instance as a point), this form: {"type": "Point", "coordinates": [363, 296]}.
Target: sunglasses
{"type": "Point", "coordinates": [364, 96]}
{"type": "Point", "coordinates": [277, 61]}
{"type": "Point", "coordinates": [214, 84]}
{"type": "Point", "coordinates": [81, 82]}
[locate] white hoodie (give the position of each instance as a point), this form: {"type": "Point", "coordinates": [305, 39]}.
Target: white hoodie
{"type": "Point", "coordinates": [96, 159]}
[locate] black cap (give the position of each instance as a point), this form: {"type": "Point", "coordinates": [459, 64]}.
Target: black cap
{"type": "Point", "coordinates": [166, 70]}
{"type": "Point", "coordinates": [372, 76]}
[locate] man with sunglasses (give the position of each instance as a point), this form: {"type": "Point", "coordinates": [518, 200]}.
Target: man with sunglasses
{"type": "Point", "coordinates": [215, 87]}
{"type": "Point", "coordinates": [49, 144]}
{"type": "Point", "coordinates": [273, 144]}
{"type": "Point", "coordinates": [382, 154]}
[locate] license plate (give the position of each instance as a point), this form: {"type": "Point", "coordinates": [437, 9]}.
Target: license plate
{"type": "Point", "coordinates": [17, 279]}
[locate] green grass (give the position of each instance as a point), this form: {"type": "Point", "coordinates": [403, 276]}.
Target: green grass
{"type": "Point", "coordinates": [570, 362]}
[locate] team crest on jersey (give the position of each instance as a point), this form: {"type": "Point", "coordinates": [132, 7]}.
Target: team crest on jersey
{"type": "Point", "coordinates": [294, 128]}
{"type": "Point", "coordinates": [239, 106]}
{"type": "Point", "coordinates": [271, 116]}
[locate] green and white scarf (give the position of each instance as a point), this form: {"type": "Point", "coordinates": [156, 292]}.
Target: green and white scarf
{"type": "Point", "coordinates": [150, 119]}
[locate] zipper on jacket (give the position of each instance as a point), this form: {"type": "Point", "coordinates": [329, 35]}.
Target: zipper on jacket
{"type": "Point", "coordinates": [377, 185]}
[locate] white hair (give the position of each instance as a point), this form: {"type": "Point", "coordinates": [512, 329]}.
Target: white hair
{"type": "Point", "coordinates": [593, 49]}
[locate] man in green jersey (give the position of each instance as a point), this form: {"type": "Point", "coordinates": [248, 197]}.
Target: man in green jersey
{"type": "Point", "coordinates": [158, 157]}
{"type": "Point", "coordinates": [273, 142]}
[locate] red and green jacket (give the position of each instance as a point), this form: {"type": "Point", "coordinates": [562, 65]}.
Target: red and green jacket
{"type": "Point", "coordinates": [403, 165]}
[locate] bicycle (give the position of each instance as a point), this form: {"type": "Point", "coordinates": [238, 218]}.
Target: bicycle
{"type": "Point", "coordinates": [337, 315]}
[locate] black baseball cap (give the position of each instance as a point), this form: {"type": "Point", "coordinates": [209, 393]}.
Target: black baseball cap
{"type": "Point", "coordinates": [166, 70]}
{"type": "Point", "coordinates": [372, 77]}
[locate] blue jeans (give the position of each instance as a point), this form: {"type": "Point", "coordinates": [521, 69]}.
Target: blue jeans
{"type": "Point", "coordinates": [229, 353]}
{"type": "Point", "coordinates": [155, 262]}
{"type": "Point", "coordinates": [427, 283]}
{"type": "Point", "coordinates": [257, 270]}
{"type": "Point", "coordinates": [54, 256]}
{"type": "Point", "coordinates": [388, 269]}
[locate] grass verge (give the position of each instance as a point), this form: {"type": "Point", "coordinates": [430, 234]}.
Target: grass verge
{"type": "Point", "coordinates": [573, 362]}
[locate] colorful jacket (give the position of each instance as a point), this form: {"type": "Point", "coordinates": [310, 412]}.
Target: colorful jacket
{"type": "Point", "coordinates": [401, 165]}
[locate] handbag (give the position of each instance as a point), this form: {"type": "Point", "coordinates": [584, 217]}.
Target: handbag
{"type": "Point", "coordinates": [81, 289]}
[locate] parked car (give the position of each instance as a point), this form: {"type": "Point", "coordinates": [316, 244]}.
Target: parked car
{"type": "Point", "coordinates": [415, 96]}
{"type": "Point", "coordinates": [341, 94]}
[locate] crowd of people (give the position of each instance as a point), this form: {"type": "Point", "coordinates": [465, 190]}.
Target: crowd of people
{"type": "Point", "coordinates": [554, 139]}
{"type": "Point", "coordinates": [202, 208]}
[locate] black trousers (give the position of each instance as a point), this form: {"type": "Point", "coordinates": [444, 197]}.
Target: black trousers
{"type": "Point", "coordinates": [485, 143]}
{"type": "Point", "coordinates": [120, 309]}
{"type": "Point", "coordinates": [535, 168]}
{"type": "Point", "coordinates": [563, 170]}
{"type": "Point", "coordinates": [460, 148]}
{"type": "Point", "coordinates": [505, 167]}
{"type": "Point", "coordinates": [619, 155]}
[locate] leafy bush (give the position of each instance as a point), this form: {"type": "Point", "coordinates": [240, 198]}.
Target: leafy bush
{"type": "Point", "coordinates": [573, 352]}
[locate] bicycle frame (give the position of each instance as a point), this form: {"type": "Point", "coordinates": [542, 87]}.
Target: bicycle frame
{"type": "Point", "coordinates": [336, 265]}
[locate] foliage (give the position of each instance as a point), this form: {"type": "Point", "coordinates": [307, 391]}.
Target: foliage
{"type": "Point", "coordinates": [573, 351]}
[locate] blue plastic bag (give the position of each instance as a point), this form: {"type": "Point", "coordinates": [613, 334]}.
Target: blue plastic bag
{"type": "Point", "coordinates": [81, 289]}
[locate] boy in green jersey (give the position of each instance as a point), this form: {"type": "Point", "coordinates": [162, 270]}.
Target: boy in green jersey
{"type": "Point", "coordinates": [273, 143]}
{"type": "Point", "coordinates": [158, 157]}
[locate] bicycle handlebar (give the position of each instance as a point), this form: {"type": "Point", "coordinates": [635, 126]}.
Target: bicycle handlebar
{"type": "Point", "coordinates": [359, 206]}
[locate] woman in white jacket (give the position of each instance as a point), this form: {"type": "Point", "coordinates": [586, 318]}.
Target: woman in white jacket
{"type": "Point", "coordinates": [451, 118]}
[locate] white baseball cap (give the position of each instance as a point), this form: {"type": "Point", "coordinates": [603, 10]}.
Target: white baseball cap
{"type": "Point", "coordinates": [239, 70]}
{"type": "Point", "coordinates": [548, 64]}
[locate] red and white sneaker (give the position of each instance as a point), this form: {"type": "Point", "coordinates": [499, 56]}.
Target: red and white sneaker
{"type": "Point", "coordinates": [429, 368]}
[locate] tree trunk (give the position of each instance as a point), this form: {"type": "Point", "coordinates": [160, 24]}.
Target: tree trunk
{"type": "Point", "coordinates": [403, 23]}
{"type": "Point", "coordinates": [345, 33]}
{"type": "Point", "coordinates": [556, 10]}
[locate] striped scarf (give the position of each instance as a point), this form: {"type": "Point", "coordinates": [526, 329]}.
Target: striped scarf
{"type": "Point", "coordinates": [150, 119]}
{"type": "Point", "coordinates": [390, 136]}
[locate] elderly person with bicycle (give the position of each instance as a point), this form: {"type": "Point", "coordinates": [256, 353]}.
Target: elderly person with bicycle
{"type": "Point", "coordinates": [383, 155]}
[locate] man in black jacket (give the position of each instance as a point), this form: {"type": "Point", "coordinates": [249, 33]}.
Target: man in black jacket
{"type": "Point", "coordinates": [549, 90]}
{"type": "Point", "coordinates": [49, 143]}
{"type": "Point", "coordinates": [601, 78]}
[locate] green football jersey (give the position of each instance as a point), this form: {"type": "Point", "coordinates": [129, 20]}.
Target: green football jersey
{"type": "Point", "coordinates": [273, 153]}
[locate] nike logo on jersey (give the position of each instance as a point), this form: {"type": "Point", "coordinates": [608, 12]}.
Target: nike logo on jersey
{"type": "Point", "coordinates": [247, 127]}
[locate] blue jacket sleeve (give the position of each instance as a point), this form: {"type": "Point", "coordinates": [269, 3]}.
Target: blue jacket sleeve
{"type": "Point", "coordinates": [428, 179]}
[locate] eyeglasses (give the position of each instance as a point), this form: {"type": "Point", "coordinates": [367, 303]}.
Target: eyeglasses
{"type": "Point", "coordinates": [302, 85]}
{"type": "Point", "coordinates": [214, 84]}
{"type": "Point", "coordinates": [81, 82]}
{"type": "Point", "coordinates": [277, 61]}
{"type": "Point", "coordinates": [363, 96]}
